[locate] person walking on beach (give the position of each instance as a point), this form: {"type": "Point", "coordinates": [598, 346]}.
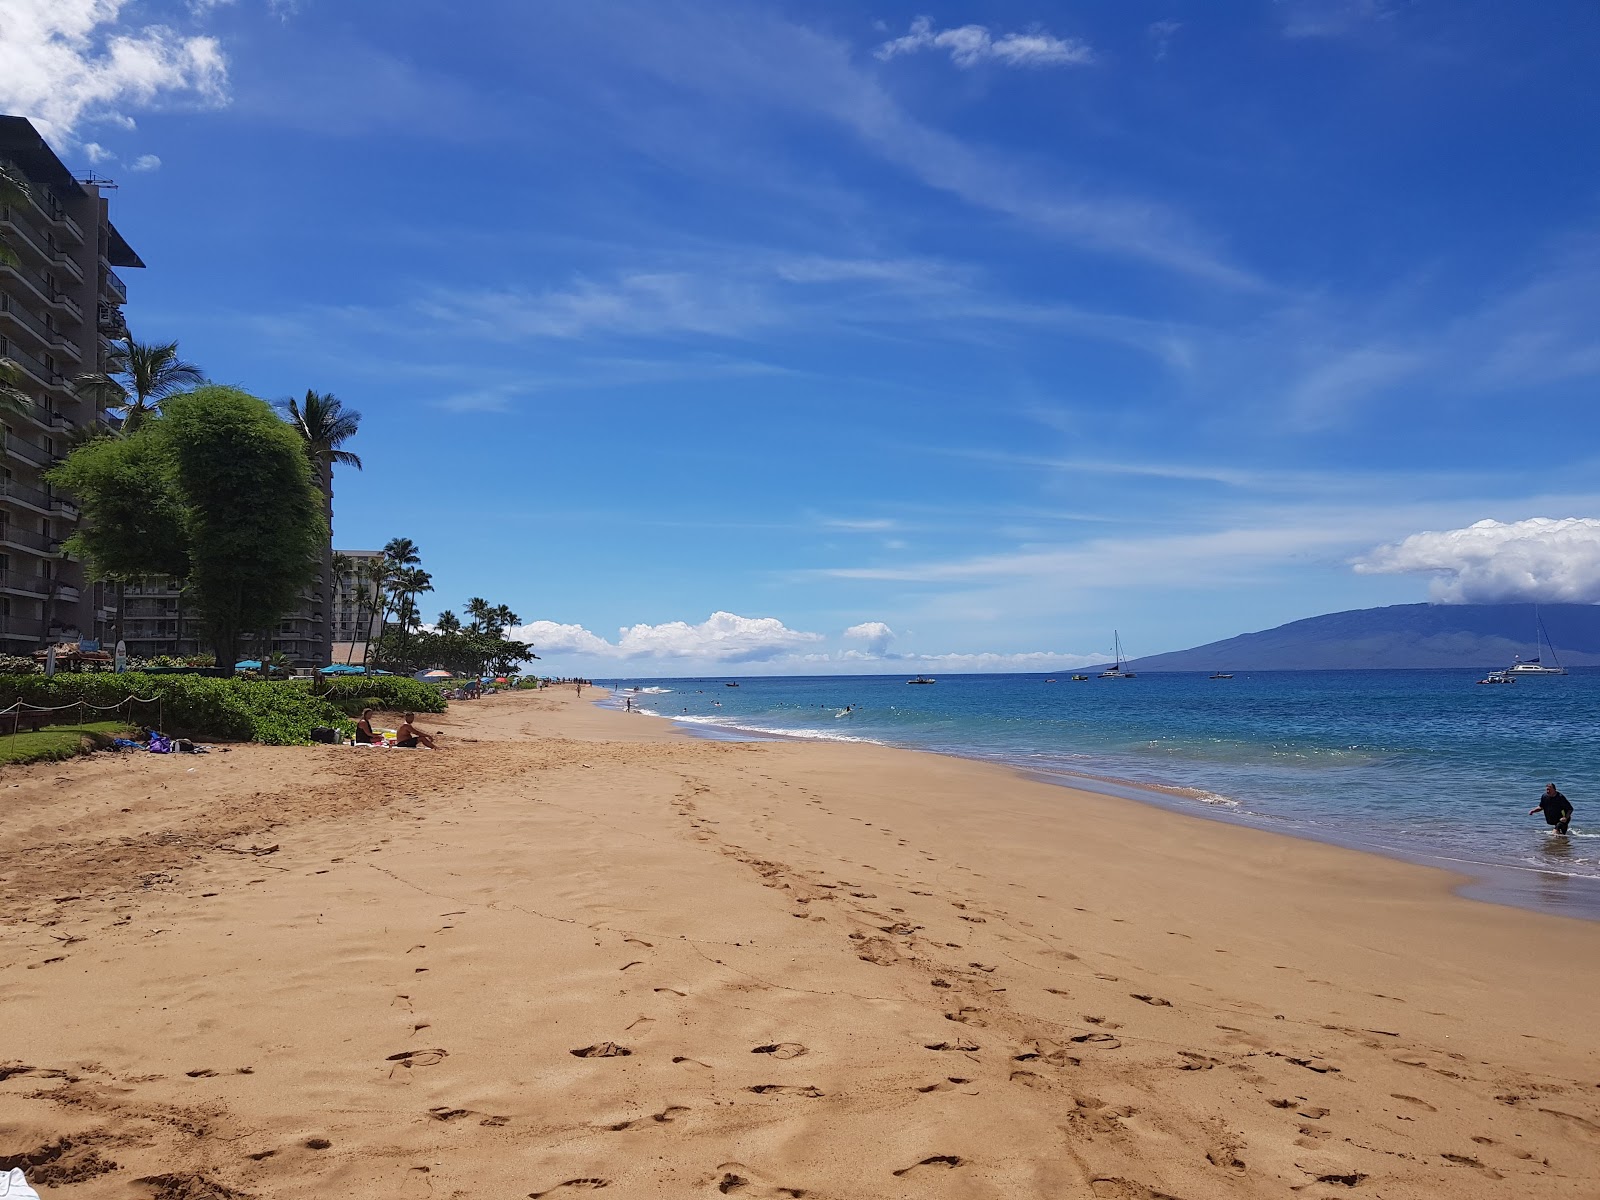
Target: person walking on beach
{"type": "Point", "coordinates": [628, 704]}
{"type": "Point", "coordinates": [1557, 808]}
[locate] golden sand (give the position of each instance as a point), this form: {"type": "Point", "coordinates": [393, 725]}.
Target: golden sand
{"type": "Point", "coordinates": [575, 950]}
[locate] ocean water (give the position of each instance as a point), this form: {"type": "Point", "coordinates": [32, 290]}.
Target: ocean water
{"type": "Point", "coordinates": [1423, 765]}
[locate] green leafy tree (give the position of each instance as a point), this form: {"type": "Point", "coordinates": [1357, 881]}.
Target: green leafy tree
{"type": "Point", "coordinates": [138, 377]}
{"type": "Point", "coordinates": [448, 622]}
{"type": "Point", "coordinates": [214, 490]}
{"type": "Point", "coordinates": [325, 425]}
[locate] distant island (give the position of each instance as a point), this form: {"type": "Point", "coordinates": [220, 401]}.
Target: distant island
{"type": "Point", "coordinates": [1400, 636]}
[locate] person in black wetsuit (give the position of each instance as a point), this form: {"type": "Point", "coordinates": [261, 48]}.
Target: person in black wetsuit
{"type": "Point", "coordinates": [1557, 808]}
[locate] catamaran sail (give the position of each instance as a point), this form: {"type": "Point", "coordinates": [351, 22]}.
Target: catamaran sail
{"type": "Point", "coordinates": [1541, 643]}
{"type": "Point", "coordinates": [1118, 671]}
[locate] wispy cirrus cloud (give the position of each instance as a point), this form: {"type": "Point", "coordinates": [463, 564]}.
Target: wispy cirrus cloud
{"type": "Point", "coordinates": [1330, 18]}
{"type": "Point", "coordinates": [972, 45]}
{"type": "Point", "coordinates": [66, 64]}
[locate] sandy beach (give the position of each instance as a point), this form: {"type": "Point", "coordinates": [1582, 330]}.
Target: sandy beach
{"type": "Point", "coordinates": [577, 950]}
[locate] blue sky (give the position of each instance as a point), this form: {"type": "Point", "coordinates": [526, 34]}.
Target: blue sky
{"type": "Point", "coordinates": [995, 327]}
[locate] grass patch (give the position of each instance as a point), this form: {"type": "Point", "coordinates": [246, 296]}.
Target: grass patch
{"type": "Point", "coordinates": [58, 742]}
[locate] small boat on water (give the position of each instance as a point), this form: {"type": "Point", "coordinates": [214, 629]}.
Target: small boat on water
{"type": "Point", "coordinates": [1080, 679]}
{"type": "Point", "coordinates": [1119, 669]}
{"type": "Point", "coordinates": [1222, 675]}
{"type": "Point", "coordinates": [730, 685]}
{"type": "Point", "coordinates": [1497, 677]}
{"type": "Point", "coordinates": [922, 679]}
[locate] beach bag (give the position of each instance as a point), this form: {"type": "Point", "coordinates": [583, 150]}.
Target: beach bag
{"type": "Point", "coordinates": [160, 743]}
{"type": "Point", "coordinates": [326, 736]}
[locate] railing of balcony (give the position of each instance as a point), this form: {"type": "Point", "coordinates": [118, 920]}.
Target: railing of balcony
{"type": "Point", "coordinates": [16, 581]}
{"type": "Point", "coordinates": [27, 538]}
{"type": "Point", "coordinates": [14, 308]}
{"type": "Point", "coordinates": [25, 232]}
{"type": "Point", "coordinates": [28, 451]}
{"type": "Point", "coordinates": [68, 593]}
{"type": "Point", "coordinates": [13, 490]}
{"type": "Point", "coordinates": [111, 282]}
{"type": "Point", "coordinates": [46, 375]}
{"type": "Point", "coordinates": [50, 209]}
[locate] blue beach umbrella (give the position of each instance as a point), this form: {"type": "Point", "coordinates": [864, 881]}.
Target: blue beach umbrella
{"type": "Point", "coordinates": [340, 669]}
{"type": "Point", "coordinates": [248, 664]}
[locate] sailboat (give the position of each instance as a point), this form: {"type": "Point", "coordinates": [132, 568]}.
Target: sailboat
{"type": "Point", "coordinates": [1119, 669]}
{"type": "Point", "coordinates": [1541, 643]}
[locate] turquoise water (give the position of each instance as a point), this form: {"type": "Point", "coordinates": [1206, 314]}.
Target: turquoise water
{"type": "Point", "coordinates": [1420, 764]}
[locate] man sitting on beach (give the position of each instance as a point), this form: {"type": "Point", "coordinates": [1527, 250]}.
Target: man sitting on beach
{"type": "Point", "coordinates": [1557, 808]}
{"type": "Point", "coordinates": [409, 737]}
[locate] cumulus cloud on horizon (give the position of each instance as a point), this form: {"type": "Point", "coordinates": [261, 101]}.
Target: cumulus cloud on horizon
{"type": "Point", "coordinates": [67, 63]}
{"type": "Point", "coordinates": [726, 638]}
{"type": "Point", "coordinates": [1495, 562]}
{"type": "Point", "coordinates": [969, 45]}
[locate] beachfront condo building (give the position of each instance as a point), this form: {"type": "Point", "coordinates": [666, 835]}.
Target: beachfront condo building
{"type": "Point", "coordinates": [357, 620]}
{"type": "Point", "coordinates": [157, 623]}
{"type": "Point", "coordinates": [60, 302]}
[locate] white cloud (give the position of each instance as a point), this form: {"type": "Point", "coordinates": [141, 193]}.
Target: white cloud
{"type": "Point", "coordinates": [875, 636]}
{"type": "Point", "coordinates": [65, 63]}
{"type": "Point", "coordinates": [969, 45]}
{"type": "Point", "coordinates": [96, 152]}
{"type": "Point", "coordinates": [1329, 18]}
{"type": "Point", "coordinates": [723, 637]}
{"type": "Point", "coordinates": [1498, 561]}
{"type": "Point", "coordinates": [1162, 33]}
{"type": "Point", "coordinates": [145, 162]}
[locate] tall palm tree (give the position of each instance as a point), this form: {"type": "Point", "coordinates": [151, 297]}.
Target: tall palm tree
{"type": "Point", "coordinates": [372, 578]}
{"type": "Point", "coordinates": [137, 377]}
{"type": "Point", "coordinates": [324, 425]}
{"type": "Point", "coordinates": [340, 564]}
{"type": "Point", "coordinates": [448, 622]}
{"type": "Point", "coordinates": [478, 609]}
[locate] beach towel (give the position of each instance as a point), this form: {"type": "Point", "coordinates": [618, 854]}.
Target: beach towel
{"type": "Point", "coordinates": [160, 743]}
{"type": "Point", "coordinates": [14, 1187]}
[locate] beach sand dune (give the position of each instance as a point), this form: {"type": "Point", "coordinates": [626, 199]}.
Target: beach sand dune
{"type": "Point", "coordinates": [576, 952]}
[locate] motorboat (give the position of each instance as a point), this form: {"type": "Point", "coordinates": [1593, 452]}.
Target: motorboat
{"type": "Point", "coordinates": [922, 679]}
{"type": "Point", "coordinates": [1119, 669]}
{"type": "Point", "coordinates": [730, 685]}
{"type": "Point", "coordinates": [1498, 677]}
{"type": "Point", "coordinates": [1222, 675]}
{"type": "Point", "coordinates": [1080, 679]}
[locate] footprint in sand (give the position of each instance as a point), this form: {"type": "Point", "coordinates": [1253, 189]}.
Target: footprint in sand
{"type": "Point", "coordinates": [784, 1089]}
{"type": "Point", "coordinates": [693, 1062]}
{"type": "Point", "coordinates": [419, 1058]}
{"type": "Point", "coordinates": [671, 992]}
{"type": "Point", "coordinates": [1153, 1001]}
{"type": "Point", "coordinates": [601, 1050]}
{"type": "Point", "coordinates": [781, 1050]}
{"type": "Point", "coordinates": [948, 1161]}
{"type": "Point", "coordinates": [737, 1179]}
{"type": "Point", "coordinates": [945, 1084]}
{"type": "Point", "coordinates": [1422, 1104]}
{"type": "Point", "coordinates": [590, 1182]}
{"type": "Point", "coordinates": [960, 1044]}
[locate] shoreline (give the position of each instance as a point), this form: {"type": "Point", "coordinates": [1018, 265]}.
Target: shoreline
{"type": "Point", "coordinates": [1528, 888]}
{"type": "Point", "coordinates": [570, 951]}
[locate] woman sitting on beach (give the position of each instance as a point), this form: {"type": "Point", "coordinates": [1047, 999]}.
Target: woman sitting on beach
{"type": "Point", "coordinates": [364, 734]}
{"type": "Point", "coordinates": [409, 737]}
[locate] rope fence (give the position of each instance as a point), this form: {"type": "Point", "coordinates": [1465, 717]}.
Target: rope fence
{"type": "Point", "coordinates": [22, 713]}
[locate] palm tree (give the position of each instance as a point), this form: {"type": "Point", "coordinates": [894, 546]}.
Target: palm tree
{"type": "Point", "coordinates": [448, 622]}
{"type": "Point", "coordinates": [372, 579]}
{"type": "Point", "coordinates": [478, 609]}
{"type": "Point", "coordinates": [137, 377]}
{"type": "Point", "coordinates": [324, 424]}
{"type": "Point", "coordinates": [340, 564]}
{"type": "Point", "coordinates": [13, 191]}
{"type": "Point", "coordinates": [398, 554]}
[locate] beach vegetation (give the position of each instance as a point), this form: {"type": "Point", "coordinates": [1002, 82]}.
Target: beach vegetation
{"type": "Point", "coordinates": [57, 743]}
{"type": "Point", "coordinates": [138, 377]}
{"type": "Point", "coordinates": [214, 489]}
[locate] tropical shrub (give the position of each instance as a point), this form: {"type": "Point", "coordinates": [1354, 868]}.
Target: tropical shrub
{"type": "Point", "coordinates": [187, 705]}
{"type": "Point", "coordinates": [393, 692]}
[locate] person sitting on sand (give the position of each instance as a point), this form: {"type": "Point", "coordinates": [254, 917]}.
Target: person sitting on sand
{"type": "Point", "coordinates": [1557, 808]}
{"type": "Point", "coordinates": [364, 734]}
{"type": "Point", "coordinates": [409, 737]}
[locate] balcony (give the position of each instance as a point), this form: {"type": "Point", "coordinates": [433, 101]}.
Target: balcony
{"type": "Point", "coordinates": [27, 585]}
{"type": "Point", "coordinates": [33, 498]}
{"type": "Point", "coordinates": [18, 231]}
{"type": "Point", "coordinates": [67, 594]}
{"type": "Point", "coordinates": [29, 452]}
{"type": "Point", "coordinates": [26, 539]}
{"type": "Point", "coordinates": [65, 507]}
{"type": "Point", "coordinates": [109, 320]}
{"type": "Point", "coordinates": [50, 209]}
{"type": "Point", "coordinates": [42, 373]}
{"type": "Point", "coordinates": [111, 285]}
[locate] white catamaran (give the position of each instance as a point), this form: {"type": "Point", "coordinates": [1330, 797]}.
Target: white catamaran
{"type": "Point", "coordinates": [1541, 643]}
{"type": "Point", "coordinates": [1119, 670]}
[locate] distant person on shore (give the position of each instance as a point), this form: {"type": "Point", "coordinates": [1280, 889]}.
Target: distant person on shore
{"type": "Point", "coordinates": [628, 704]}
{"type": "Point", "coordinates": [1557, 808]}
{"type": "Point", "coordinates": [364, 734]}
{"type": "Point", "coordinates": [409, 737]}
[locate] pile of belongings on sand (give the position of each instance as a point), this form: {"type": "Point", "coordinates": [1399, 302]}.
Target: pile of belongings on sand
{"type": "Point", "coordinates": [157, 743]}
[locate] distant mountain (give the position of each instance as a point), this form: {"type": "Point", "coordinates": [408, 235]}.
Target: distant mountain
{"type": "Point", "coordinates": [1401, 636]}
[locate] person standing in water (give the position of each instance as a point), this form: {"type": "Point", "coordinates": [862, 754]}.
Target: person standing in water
{"type": "Point", "coordinates": [1557, 808]}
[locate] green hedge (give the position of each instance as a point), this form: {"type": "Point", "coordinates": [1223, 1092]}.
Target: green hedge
{"type": "Point", "coordinates": [393, 692]}
{"type": "Point", "coordinates": [235, 710]}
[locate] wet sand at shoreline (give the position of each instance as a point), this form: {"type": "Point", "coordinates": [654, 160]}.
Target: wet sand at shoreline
{"type": "Point", "coordinates": [576, 950]}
